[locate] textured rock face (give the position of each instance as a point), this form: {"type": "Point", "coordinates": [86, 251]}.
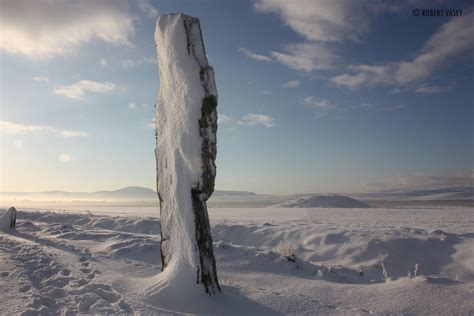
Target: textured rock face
{"type": "Point", "coordinates": [8, 220]}
{"type": "Point", "coordinates": [186, 126]}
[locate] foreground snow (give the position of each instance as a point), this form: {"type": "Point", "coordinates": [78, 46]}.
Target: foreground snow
{"type": "Point", "coordinates": [70, 262]}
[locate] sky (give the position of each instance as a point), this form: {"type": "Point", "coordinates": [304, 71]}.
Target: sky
{"type": "Point", "coordinates": [314, 96]}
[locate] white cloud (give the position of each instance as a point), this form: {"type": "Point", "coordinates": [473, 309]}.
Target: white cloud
{"type": "Point", "coordinates": [132, 106]}
{"type": "Point", "coordinates": [257, 119]}
{"type": "Point", "coordinates": [323, 20]}
{"type": "Point", "coordinates": [23, 129]}
{"type": "Point", "coordinates": [80, 88]}
{"type": "Point", "coordinates": [316, 103]}
{"type": "Point", "coordinates": [265, 92]}
{"type": "Point", "coordinates": [222, 119]}
{"type": "Point", "coordinates": [453, 39]}
{"type": "Point", "coordinates": [103, 62]}
{"type": "Point", "coordinates": [48, 28]}
{"type": "Point", "coordinates": [324, 23]}
{"type": "Point", "coordinates": [291, 84]}
{"type": "Point", "coordinates": [148, 9]}
{"type": "Point", "coordinates": [132, 63]}
{"type": "Point", "coordinates": [18, 143]}
{"type": "Point", "coordinates": [255, 56]}
{"type": "Point", "coordinates": [64, 158]}
{"type": "Point", "coordinates": [41, 79]}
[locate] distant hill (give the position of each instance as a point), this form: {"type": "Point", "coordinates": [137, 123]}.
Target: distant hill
{"type": "Point", "coordinates": [127, 193]}
{"type": "Point", "coordinates": [459, 193]}
{"type": "Point", "coordinates": [323, 201]}
{"type": "Point", "coordinates": [232, 193]}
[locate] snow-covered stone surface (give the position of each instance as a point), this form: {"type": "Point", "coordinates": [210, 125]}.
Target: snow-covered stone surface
{"type": "Point", "coordinates": [326, 201]}
{"type": "Point", "coordinates": [63, 263]}
{"type": "Point", "coordinates": [186, 126]}
{"type": "Point", "coordinates": [8, 220]}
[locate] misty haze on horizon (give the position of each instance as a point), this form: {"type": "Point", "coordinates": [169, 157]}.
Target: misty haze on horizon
{"type": "Point", "coordinates": [142, 194]}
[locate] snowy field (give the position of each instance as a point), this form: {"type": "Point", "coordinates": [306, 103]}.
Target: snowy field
{"type": "Point", "coordinates": [269, 261]}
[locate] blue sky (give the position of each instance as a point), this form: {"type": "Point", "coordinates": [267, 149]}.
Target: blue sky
{"type": "Point", "coordinates": [314, 96]}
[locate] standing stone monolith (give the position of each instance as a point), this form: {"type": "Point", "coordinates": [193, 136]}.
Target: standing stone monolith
{"type": "Point", "coordinates": [186, 127]}
{"type": "Point", "coordinates": [8, 220]}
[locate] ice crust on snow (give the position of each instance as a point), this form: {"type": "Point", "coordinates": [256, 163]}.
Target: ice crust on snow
{"type": "Point", "coordinates": [186, 126]}
{"type": "Point", "coordinates": [326, 201]}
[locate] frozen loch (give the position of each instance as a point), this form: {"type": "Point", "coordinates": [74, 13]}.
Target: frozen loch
{"type": "Point", "coordinates": [186, 126]}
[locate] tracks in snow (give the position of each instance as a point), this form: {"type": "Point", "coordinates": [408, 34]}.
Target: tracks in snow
{"type": "Point", "coordinates": [60, 277]}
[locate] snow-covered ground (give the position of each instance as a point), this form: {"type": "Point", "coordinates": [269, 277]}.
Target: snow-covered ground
{"type": "Point", "coordinates": [269, 261]}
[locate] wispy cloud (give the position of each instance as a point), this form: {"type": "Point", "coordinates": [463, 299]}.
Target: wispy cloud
{"type": "Point", "coordinates": [64, 158]}
{"type": "Point", "coordinates": [370, 107]}
{"type": "Point", "coordinates": [253, 119]}
{"type": "Point", "coordinates": [324, 108]}
{"type": "Point", "coordinates": [266, 92]}
{"type": "Point", "coordinates": [103, 62]}
{"type": "Point", "coordinates": [321, 107]}
{"type": "Point", "coordinates": [255, 56]}
{"type": "Point", "coordinates": [434, 89]}
{"type": "Point", "coordinates": [322, 20]}
{"type": "Point", "coordinates": [132, 63]}
{"type": "Point", "coordinates": [41, 79]}
{"type": "Point", "coordinates": [291, 84]}
{"type": "Point", "coordinates": [316, 103]}
{"type": "Point", "coordinates": [152, 124]}
{"type": "Point", "coordinates": [18, 143]}
{"type": "Point", "coordinates": [222, 119]}
{"type": "Point", "coordinates": [321, 23]}
{"type": "Point", "coordinates": [79, 89]}
{"type": "Point", "coordinates": [67, 134]}
{"type": "Point", "coordinates": [304, 57]}
{"type": "Point", "coordinates": [23, 129]}
{"type": "Point", "coordinates": [149, 10]}
{"type": "Point", "coordinates": [45, 29]}
{"type": "Point", "coordinates": [132, 106]}
{"type": "Point", "coordinates": [453, 39]}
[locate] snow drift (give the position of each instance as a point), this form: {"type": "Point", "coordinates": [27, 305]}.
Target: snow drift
{"type": "Point", "coordinates": [66, 263]}
{"type": "Point", "coordinates": [326, 201]}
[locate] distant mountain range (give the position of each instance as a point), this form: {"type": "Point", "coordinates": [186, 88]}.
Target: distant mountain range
{"type": "Point", "coordinates": [127, 193]}
{"type": "Point", "coordinates": [135, 193]}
